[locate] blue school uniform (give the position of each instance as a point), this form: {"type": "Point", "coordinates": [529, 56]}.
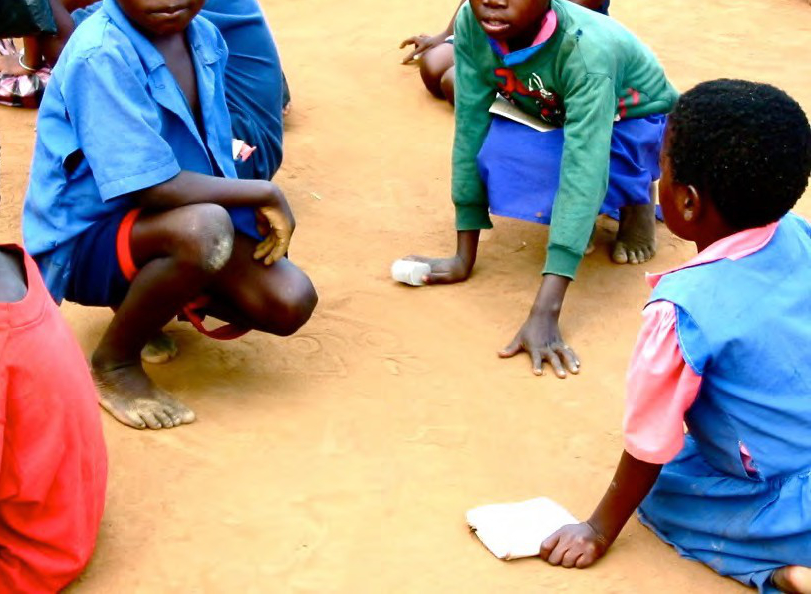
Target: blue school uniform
{"type": "Point", "coordinates": [254, 83]}
{"type": "Point", "coordinates": [744, 326]}
{"type": "Point", "coordinates": [114, 121]}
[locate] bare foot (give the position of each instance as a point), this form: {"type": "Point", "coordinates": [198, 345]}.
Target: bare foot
{"type": "Point", "coordinates": [129, 395]}
{"type": "Point", "coordinates": [636, 237]}
{"type": "Point", "coordinates": [160, 349]}
{"type": "Point", "coordinates": [591, 246]}
{"type": "Point", "coordinates": [793, 579]}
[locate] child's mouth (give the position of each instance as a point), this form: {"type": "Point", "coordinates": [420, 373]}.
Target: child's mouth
{"type": "Point", "coordinates": [494, 27]}
{"type": "Point", "coordinates": [170, 13]}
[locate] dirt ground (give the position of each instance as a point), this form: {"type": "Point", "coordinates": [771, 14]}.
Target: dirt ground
{"type": "Point", "coordinates": [343, 459]}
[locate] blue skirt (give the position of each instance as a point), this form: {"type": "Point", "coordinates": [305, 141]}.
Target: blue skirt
{"type": "Point", "coordinates": [520, 167]}
{"type": "Point", "coordinates": [741, 528]}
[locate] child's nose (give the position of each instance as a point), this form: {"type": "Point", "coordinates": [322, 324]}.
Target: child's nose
{"type": "Point", "coordinates": [496, 3]}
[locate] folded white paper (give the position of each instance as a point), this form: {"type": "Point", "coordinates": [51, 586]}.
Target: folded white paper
{"type": "Point", "coordinates": [505, 109]}
{"type": "Point", "coordinates": [517, 530]}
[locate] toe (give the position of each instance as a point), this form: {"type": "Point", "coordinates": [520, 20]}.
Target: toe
{"type": "Point", "coordinates": [620, 255]}
{"type": "Point", "coordinates": [184, 414]}
{"type": "Point", "coordinates": [164, 419]}
{"type": "Point", "coordinates": [151, 421]}
{"type": "Point", "coordinates": [633, 258]}
{"type": "Point", "coordinates": [126, 417]}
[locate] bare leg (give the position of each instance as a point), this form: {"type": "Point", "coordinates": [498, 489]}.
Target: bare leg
{"type": "Point", "coordinates": [178, 253]}
{"type": "Point", "coordinates": [160, 349]}
{"type": "Point", "coordinates": [433, 65]}
{"type": "Point", "coordinates": [636, 237]}
{"type": "Point", "coordinates": [276, 299]}
{"type": "Point", "coordinates": [793, 579]}
{"type": "Point", "coordinates": [448, 84]}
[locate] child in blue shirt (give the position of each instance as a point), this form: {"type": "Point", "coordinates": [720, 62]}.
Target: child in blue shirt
{"type": "Point", "coordinates": [724, 350]}
{"type": "Point", "coordinates": [134, 200]}
{"type": "Point", "coordinates": [255, 89]}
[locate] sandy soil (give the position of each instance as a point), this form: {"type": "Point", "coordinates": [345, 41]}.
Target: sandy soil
{"type": "Point", "coordinates": [343, 459]}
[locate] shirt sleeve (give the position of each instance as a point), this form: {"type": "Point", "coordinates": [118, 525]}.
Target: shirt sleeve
{"type": "Point", "coordinates": [117, 124]}
{"type": "Point", "coordinates": [661, 387]}
{"type": "Point", "coordinates": [474, 96]}
{"type": "Point", "coordinates": [590, 109]}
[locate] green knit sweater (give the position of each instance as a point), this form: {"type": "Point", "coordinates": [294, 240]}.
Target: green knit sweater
{"type": "Point", "coordinates": [592, 69]}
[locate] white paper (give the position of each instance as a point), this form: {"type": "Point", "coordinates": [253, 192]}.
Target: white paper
{"type": "Point", "coordinates": [517, 530]}
{"type": "Point", "coordinates": [505, 109]}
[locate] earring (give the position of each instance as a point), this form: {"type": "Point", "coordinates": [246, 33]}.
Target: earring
{"type": "Point", "coordinates": [688, 215]}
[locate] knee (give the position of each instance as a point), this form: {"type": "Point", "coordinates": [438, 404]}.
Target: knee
{"type": "Point", "coordinates": [295, 305]}
{"type": "Point", "coordinates": [206, 240]}
{"type": "Point", "coordinates": [432, 68]}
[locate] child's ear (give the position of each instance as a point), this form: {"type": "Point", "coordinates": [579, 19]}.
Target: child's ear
{"type": "Point", "coordinates": [691, 206]}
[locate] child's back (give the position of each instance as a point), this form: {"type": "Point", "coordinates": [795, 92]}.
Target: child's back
{"type": "Point", "coordinates": [53, 464]}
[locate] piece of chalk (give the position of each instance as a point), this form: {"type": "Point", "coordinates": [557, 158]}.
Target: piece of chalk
{"type": "Point", "coordinates": [410, 272]}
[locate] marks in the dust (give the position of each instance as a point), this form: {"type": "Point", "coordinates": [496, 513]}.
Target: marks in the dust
{"type": "Point", "coordinates": [345, 343]}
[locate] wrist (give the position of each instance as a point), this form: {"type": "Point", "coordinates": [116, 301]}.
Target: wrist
{"type": "Point", "coordinates": [467, 245]}
{"type": "Point", "coordinates": [605, 537]}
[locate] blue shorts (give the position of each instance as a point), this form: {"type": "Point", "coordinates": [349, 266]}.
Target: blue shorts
{"type": "Point", "coordinates": [102, 262]}
{"type": "Point", "coordinates": [520, 167]}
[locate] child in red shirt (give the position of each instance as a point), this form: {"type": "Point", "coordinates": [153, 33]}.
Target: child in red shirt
{"type": "Point", "coordinates": [53, 462]}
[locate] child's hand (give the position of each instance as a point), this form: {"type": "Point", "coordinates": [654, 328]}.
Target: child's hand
{"type": "Point", "coordinates": [540, 338]}
{"type": "Point", "coordinates": [576, 545]}
{"type": "Point", "coordinates": [444, 271]}
{"type": "Point", "coordinates": [277, 222]}
{"type": "Point", "coordinates": [422, 43]}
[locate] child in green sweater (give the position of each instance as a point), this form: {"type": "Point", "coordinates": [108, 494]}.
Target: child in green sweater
{"type": "Point", "coordinates": [435, 54]}
{"type": "Point", "coordinates": [604, 95]}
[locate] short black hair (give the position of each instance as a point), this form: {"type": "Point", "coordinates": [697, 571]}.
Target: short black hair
{"type": "Point", "coordinates": [746, 145]}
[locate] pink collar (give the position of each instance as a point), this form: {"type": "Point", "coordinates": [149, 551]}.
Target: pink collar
{"type": "Point", "coordinates": [734, 247]}
{"type": "Point", "coordinates": [548, 27]}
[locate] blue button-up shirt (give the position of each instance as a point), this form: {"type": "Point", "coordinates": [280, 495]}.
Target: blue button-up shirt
{"type": "Point", "coordinates": [114, 121]}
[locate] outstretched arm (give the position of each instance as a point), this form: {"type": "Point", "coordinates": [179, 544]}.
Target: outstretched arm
{"type": "Point", "coordinates": [422, 43]}
{"type": "Point", "coordinates": [580, 545]}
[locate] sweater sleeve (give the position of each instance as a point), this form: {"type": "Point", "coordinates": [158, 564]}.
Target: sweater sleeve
{"type": "Point", "coordinates": [590, 109]}
{"type": "Point", "coordinates": [473, 100]}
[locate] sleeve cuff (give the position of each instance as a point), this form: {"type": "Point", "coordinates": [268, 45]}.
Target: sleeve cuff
{"type": "Point", "coordinates": [661, 456]}
{"type": "Point", "coordinates": [562, 261]}
{"type": "Point", "coordinates": [472, 218]}
{"type": "Point", "coordinates": [140, 181]}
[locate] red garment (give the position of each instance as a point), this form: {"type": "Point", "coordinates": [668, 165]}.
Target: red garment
{"type": "Point", "coordinates": [53, 462]}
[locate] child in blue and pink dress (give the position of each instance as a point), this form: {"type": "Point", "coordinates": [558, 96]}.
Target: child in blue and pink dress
{"type": "Point", "coordinates": [724, 348]}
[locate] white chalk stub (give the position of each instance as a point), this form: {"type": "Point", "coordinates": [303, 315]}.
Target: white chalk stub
{"type": "Point", "coordinates": [517, 530]}
{"type": "Point", "coordinates": [410, 272]}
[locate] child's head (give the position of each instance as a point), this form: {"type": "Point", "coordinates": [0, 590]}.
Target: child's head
{"type": "Point", "coordinates": [506, 20]}
{"type": "Point", "coordinates": [736, 152]}
{"type": "Point", "coordinates": [158, 18]}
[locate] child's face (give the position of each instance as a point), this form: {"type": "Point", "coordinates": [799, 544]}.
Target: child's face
{"type": "Point", "coordinates": [161, 17]}
{"type": "Point", "coordinates": [504, 20]}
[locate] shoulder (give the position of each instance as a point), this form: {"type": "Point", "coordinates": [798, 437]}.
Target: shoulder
{"type": "Point", "coordinates": [97, 45]}
{"type": "Point", "coordinates": [210, 39]}
{"type": "Point", "coordinates": [797, 223]}
{"type": "Point", "coordinates": [591, 43]}
{"type": "Point", "coordinates": [466, 27]}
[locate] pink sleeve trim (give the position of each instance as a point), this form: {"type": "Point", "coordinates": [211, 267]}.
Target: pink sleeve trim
{"type": "Point", "coordinates": [661, 387]}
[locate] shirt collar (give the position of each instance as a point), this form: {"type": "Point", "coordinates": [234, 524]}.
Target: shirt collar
{"type": "Point", "coordinates": [146, 49]}
{"type": "Point", "coordinates": [548, 27]}
{"type": "Point", "coordinates": [733, 247]}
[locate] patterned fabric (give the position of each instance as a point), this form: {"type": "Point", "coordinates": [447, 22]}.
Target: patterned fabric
{"type": "Point", "coordinates": [23, 90]}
